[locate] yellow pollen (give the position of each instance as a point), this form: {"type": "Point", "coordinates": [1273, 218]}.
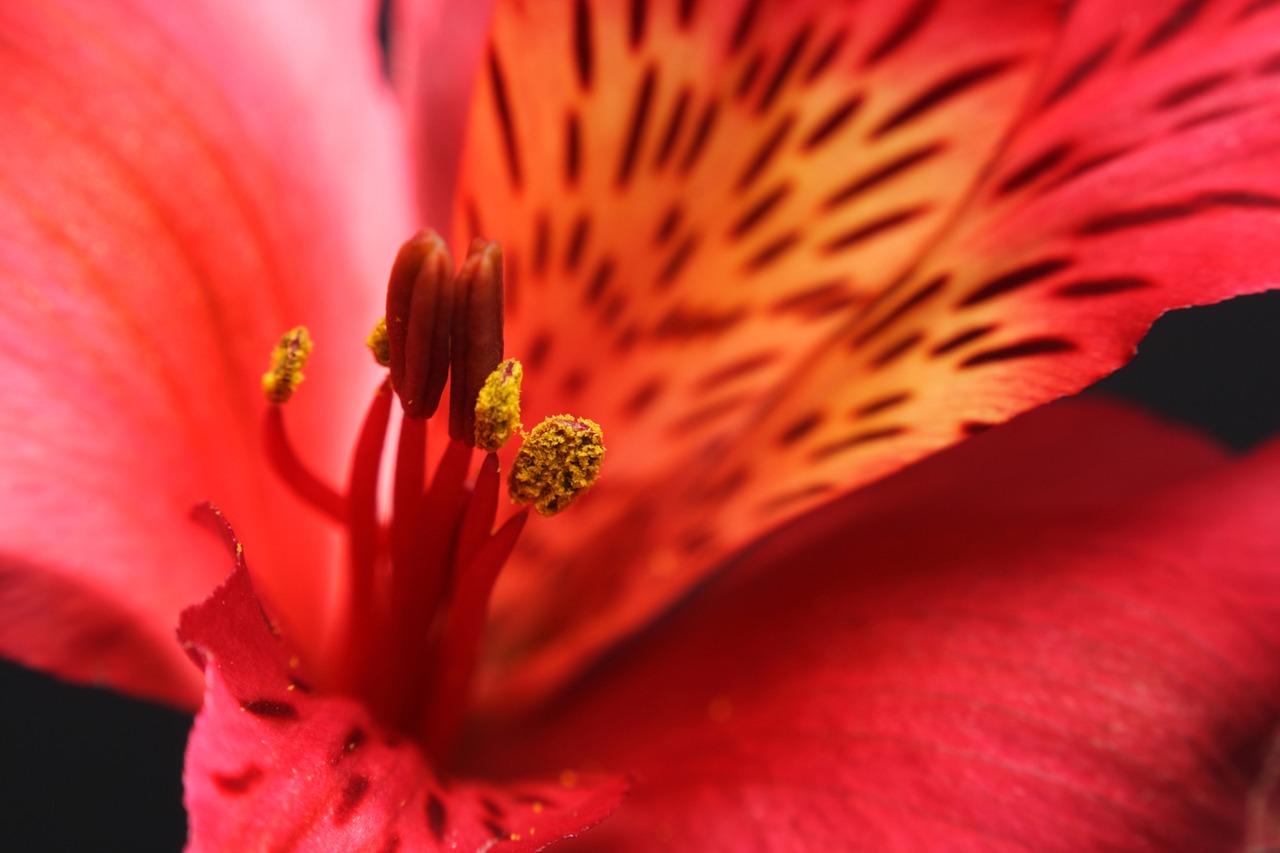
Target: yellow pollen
{"type": "Point", "coordinates": [379, 344]}
{"type": "Point", "coordinates": [498, 406]}
{"type": "Point", "coordinates": [559, 461]}
{"type": "Point", "coordinates": [287, 360]}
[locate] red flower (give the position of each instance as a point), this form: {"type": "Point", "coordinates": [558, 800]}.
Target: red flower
{"type": "Point", "coordinates": [779, 251]}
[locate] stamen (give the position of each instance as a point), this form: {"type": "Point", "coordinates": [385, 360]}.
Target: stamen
{"type": "Point", "coordinates": [477, 335]}
{"type": "Point", "coordinates": [379, 344]}
{"type": "Point", "coordinates": [287, 360]}
{"type": "Point", "coordinates": [559, 461]}
{"type": "Point", "coordinates": [419, 315]}
{"type": "Point", "coordinates": [498, 406]}
{"type": "Point", "coordinates": [363, 546]}
{"type": "Point", "coordinates": [305, 483]}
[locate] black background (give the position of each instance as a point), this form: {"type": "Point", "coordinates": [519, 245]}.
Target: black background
{"type": "Point", "coordinates": [83, 769]}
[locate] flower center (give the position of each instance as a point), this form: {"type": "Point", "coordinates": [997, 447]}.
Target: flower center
{"type": "Point", "coordinates": [409, 624]}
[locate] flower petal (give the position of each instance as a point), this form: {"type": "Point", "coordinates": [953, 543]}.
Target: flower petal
{"type": "Point", "coordinates": [270, 766]}
{"type": "Point", "coordinates": [691, 199]}
{"type": "Point", "coordinates": [181, 184]}
{"type": "Point", "coordinates": [1000, 665]}
{"type": "Point", "coordinates": [781, 250]}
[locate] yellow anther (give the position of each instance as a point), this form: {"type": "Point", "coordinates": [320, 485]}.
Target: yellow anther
{"type": "Point", "coordinates": [498, 406]}
{"type": "Point", "coordinates": [559, 461]}
{"type": "Point", "coordinates": [379, 344]}
{"type": "Point", "coordinates": [287, 360]}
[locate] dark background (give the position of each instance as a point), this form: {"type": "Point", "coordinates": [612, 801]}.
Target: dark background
{"type": "Point", "coordinates": [82, 769]}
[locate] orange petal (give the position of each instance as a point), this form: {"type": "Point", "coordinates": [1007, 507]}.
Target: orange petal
{"type": "Point", "coordinates": [901, 225]}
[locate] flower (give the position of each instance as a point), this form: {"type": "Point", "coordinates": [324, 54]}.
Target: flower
{"type": "Point", "coordinates": [1082, 647]}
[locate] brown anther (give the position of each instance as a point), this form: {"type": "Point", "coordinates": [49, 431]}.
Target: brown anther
{"type": "Point", "coordinates": [419, 314]}
{"type": "Point", "coordinates": [477, 335]}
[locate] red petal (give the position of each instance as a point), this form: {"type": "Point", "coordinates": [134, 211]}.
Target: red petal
{"type": "Point", "coordinates": [906, 223]}
{"type": "Point", "coordinates": [1001, 665]}
{"type": "Point", "coordinates": [271, 766]}
{"type": "Point", "coordinates": [181, 184]}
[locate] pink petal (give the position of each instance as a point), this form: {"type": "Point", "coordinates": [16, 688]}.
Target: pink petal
{"type": "Point", "coordinates": [271, 766]}
{"type": "Point", "coordinates": [181, 184]}
{"type": "Point", "coordinates": [436, 48]}
{"type": "Point", "coordinates": [1001, 648]}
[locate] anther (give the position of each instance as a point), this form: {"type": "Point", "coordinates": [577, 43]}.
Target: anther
{"type": "Point", "coordinates": [378, 344]}
{"type": "Point", "coordinates": [419, 314]}
{"type": "Point", "coordinates": [287, 360]}
{"type": "Point", "coordinates": [477, 335]}
{"type": "Point", "coordinates": [559, 461]}
{"type": "Point", "coordinates": [498, 406]}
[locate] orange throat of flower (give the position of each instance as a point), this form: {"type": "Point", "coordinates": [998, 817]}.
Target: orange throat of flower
{"type": "Point", "coordinates": [418, 578]}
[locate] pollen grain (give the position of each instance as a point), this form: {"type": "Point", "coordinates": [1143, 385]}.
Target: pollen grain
{"type": "Point", "coordinates": [498, 406]}
{"type": "Point", "coordinates": [559, 460]}
{"type": "Point", "coordinates": [287, 360]}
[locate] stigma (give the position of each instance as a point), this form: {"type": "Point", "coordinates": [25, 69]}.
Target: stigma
{"type": "Point", "coordinates": [423, 557]}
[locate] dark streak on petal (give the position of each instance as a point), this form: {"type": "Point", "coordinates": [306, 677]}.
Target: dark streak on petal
{"type": "Point", "coordinates": [701, 134]}
{"type": "Point", "coordinates": [667, 227]}
{"type": "Point", "coordinates": [825, 56]}
{"type": "Point", "coordinates": [1036, 168]}
{"type": "Point", "coordinates": [758, 212]}
{"type": "Point", "coordinates": [737, 370]}
{"type": "Point", "coordinates": [437, 817]}
{"type": "Point", "coordinates": [582, 42]}
{"type": "Point", "coordinates": [1080, 72]}
{"type": "Point", "coordinates": [1168, 29]}
{"type": "Point", "coordinates": [856, 440]}
{"type": "Point", "coordinates": [911, 23]}
{"type": "Point", "coordinates": [599, 281]}
{"type": "Point", "coordinates": [577, 243]}
{"type": "Point", "coordinates": [1023, 349]}
{"type": "Point", "coordinates": [816, 302]}
{"type": "Point", "coordinates": [897, 350]}
{"type": "Point", "coordinates": [784, 69]}
{"type": "Point", "coordinates": [1014, 280]}
{"type": "Point", "coordinates": [880, 174]}
{"type": "Point", "coordinates": [833, 121]}
{"type": "Point", "coordinates": [1087, 288]}
{"type": "Point", "coordinates": [941, 92]}
{"type": "Point", "coordinates": [1189, 91]}
{"type": "Point", "coordinates": [674, 124]}
{"type": "Point", "coordinates": [874, 228]}
{"type": "Point", "coordinates": [882, 404]}
{"type": "Point", "coordinates": [572, 149]}
{"type": "Point", "coordinates": [922, 295]}
{"type": "Point", "coordinates": [353, 794]}
{"type": "Point", "coordinates": [800, 427]}
{"type": "Point", "coordinates": [636, 23]}
{"type": "Point", "coordinates": [746, 22]}
{"type": "Point", "coordinates": [1140, 217]}
{"type": "Point", "coordinates": [961, 338]}
{"type": "Point", "coordinates": [238, 783]}
{"type": "Point", "coordinates": [270, 709]}
{"type": "Point", "coordinates": [639, 121]}
{"type": "Point", "coordinates": [765, 153]}
{"type": "Point", "coordinates": [643, 398]}
{"type": "Point", "coordinates": [772, 252]}
{"type": "Point", "coordinates": [502, 106]}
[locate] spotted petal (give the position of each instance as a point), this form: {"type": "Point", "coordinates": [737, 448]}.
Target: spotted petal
{"type": "Point", "coordinates": [1002, 648]}
{"type": "Point", "coordinates": [181, 183]}
{"type": "Point", "coordinates": [779, 250]}
{"type": "Point", "coordinates": [270, 767]}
